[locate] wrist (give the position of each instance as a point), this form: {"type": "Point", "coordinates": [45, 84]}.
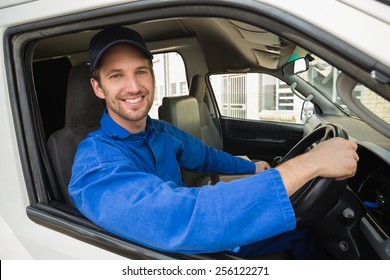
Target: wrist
{"type": "Point", "coordinates": [297, 171]}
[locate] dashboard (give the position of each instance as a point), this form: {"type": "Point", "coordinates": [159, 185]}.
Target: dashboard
{"type": "Point", "coordinates": [371, 183]}
{"type": "Point", "coordinates": [368, 195]}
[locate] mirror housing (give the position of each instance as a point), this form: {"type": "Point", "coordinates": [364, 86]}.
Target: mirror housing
{"type": "Point", "coordinates": [295, 67]}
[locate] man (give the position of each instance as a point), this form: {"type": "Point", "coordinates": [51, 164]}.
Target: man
{"type": "Point", "coordinates": [126, 175]}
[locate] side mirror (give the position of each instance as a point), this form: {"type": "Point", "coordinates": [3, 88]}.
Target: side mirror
{"type": "Point", "coordinates": [307, 111]}
{"type": "Point", "coordinates": [295, 67]}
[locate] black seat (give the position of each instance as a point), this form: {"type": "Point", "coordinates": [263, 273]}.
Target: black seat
{"type": "Point", "coordinates": [209, 132]}
{"type": "Point", "coordinates": [82, 116]}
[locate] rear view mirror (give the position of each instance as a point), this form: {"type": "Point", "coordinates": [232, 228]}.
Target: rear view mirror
{"type": "Point", "coordinates": [295, 67]}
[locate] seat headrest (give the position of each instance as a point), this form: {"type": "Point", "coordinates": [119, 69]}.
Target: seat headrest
{"type": "Point", "coordinates": [83, 108]}
{"type": "Point", "coordinates": [182, 112]}
{"type": "Point", "coordinates": [198, 88]}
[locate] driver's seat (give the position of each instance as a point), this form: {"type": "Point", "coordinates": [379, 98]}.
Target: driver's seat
{"type": "Point", "coordinates": [82, 115]}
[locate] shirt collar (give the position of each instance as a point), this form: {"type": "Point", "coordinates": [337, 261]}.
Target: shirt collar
{"type": "Point", "coordinates": [114, 130]}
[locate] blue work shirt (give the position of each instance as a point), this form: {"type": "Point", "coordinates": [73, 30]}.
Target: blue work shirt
{"type": "Point", "coordinates": [130, 185]}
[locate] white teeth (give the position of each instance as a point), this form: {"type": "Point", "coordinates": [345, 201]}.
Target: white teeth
{"type": "Point", "coordinates": [133, 100]}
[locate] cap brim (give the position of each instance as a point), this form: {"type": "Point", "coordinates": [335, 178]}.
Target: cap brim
{"type": "Point", "coordinates": [140, 47]}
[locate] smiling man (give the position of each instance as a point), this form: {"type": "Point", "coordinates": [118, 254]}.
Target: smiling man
{"type": "Point", "coordinates": [125, 79]}
{"type": "Point", "coordinates": [126, 175]}
{"type": "Point", "coordinates": [126, 83]}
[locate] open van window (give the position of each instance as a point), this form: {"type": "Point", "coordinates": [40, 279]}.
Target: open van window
{"type": "Point", "coordinates": [238, 49]}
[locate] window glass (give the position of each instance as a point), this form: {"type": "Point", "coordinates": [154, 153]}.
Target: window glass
{"type": "Point", "coordinates": [323, 76]}
{"type": "Point", "coordinates": [256, 96]}
{"type": "Point", "coordinates": [170, 76]}
{"type": "Point", "coordinates": [373, 102]}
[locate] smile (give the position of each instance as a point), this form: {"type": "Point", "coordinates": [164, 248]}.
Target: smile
{"type": "Point", "coordinates": [134, 100]}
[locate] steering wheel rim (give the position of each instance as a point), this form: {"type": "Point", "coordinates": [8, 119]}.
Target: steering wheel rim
{"type": "Point", "coordinates": [318, 195]}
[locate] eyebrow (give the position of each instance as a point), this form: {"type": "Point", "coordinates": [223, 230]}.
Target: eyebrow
{"type": "Point", "coordinates": [143, 67]}
{"type": "Point", "coordinates": [112, 71]}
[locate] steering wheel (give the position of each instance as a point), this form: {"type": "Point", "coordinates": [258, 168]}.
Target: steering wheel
{"type": "Point", "coordinates": [317, 196]}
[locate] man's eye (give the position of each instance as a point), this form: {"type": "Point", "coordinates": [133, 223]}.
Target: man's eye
{"type": "Point", "coordinates": [115, 76]}
{"type": "Point", "coordinates": [141, 72]}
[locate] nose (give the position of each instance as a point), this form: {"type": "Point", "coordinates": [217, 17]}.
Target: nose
{"type": "Point", "coordinates": [132, 85]}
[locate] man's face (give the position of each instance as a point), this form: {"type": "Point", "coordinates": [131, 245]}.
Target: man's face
{"type": "Point", "coordinates": [127, 85]}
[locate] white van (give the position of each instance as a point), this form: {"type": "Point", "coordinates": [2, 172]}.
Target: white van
{"type": "Point", "coordinates": [239, 50]}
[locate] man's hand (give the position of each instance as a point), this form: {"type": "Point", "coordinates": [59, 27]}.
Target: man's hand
{"type": "Point", "coordinates": [337, 157]}
{"type": "Point", "coordinates": [334, 158]}
{"type": "Point", "coordinates": [261, 166]}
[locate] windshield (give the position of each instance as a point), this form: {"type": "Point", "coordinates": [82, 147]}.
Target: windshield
{"type": "Point", "coordinates": [323, 76]}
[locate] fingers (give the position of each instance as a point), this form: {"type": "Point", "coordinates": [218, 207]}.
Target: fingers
{"type": "Point", "coordinates": [261, 166]}
{"type": "Point", "coordinates": [338, 158]}
{"type": "Point", "coordinates": [354, 147]}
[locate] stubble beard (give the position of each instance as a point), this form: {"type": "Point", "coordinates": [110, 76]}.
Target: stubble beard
{"type": "Point", "coordinates": [132, 115]}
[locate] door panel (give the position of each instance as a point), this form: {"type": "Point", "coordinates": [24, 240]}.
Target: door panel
{"type": "Point", "coordinates": [257, 139]}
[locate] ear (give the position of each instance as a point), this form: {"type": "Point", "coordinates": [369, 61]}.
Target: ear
{"type": "Point", "coordinates": [97, 89]}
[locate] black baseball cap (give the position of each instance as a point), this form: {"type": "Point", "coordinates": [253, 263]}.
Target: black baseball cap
{"type": "Point", "coordinates": [112, 36]}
